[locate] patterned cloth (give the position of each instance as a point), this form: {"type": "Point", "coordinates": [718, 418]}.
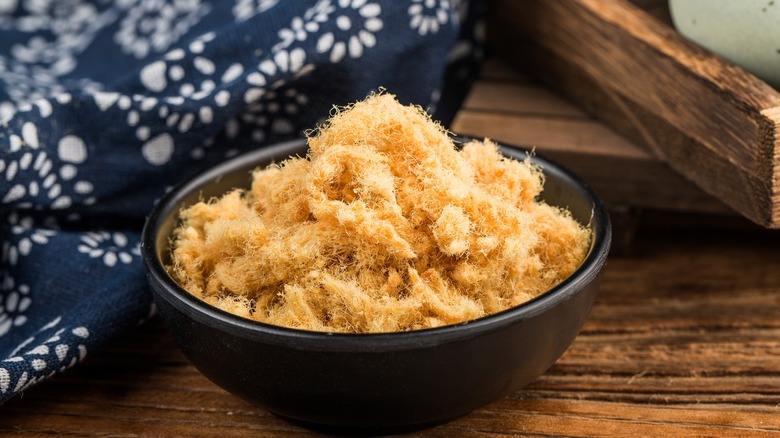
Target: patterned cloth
{"type": "Point", "coordinates": [106, 104]}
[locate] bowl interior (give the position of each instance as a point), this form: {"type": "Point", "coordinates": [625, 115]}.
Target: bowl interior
{"type": "Point", "coordinates": [561, 189]}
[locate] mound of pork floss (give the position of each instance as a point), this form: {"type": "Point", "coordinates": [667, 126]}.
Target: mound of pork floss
{"type": "Point", "coordinates": [384, 227]}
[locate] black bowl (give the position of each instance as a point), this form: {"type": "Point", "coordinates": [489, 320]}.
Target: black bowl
{"type": "Point", "coordinates": [388, 381]}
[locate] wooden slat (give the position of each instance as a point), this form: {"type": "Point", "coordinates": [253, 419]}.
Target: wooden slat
{"type": "Point", "coordinates": [549, 134]}
{"type": "Point", "coordinates": [708, 119]}
{"type": "Point", "coordinates": [620, 171]}
{"type": "Point", "coordinates": [516, 97]}
{"type": "Point", "coordinates": [563, 423]}
{"type": "Point", "coordinates": [496, 69]}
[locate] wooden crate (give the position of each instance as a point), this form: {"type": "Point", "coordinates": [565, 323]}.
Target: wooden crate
{"type": "Point", "coordinates": [709, 120]}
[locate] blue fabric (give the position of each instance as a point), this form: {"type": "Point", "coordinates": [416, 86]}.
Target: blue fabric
{"type": "Point", "coordinates": [106, 104]}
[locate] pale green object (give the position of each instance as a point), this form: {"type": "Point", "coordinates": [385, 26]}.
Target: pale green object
{"type": "Point", "coordinates": [745, 32]}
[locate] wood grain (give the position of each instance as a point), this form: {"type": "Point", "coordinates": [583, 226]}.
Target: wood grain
{"type": "Point", "coordinates": [709, 120]}
{"type": "Point", "coordinates": [684, 340]}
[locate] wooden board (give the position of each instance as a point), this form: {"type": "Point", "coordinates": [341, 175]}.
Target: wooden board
{"type": "Point", "coordinates": [709, 120]}
{"type": "Point", "coordinates": [506, 106]}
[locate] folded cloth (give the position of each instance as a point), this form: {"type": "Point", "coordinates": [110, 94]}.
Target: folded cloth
{"type": "Point", "coordinates": [105, 105]}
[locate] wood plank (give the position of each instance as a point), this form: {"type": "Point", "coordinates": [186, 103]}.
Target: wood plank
{"type": "Point", "coordinates": [551, 133]}
{"type": "Point", "coordinates": [496, 69]}
{"type": "Point", "coordinates": [643, 387]}
{"type": "Point", "coordinates": [620, 171]}
{"type": "Point", "coordinates": [614, 423]}
{"type": "Point", "coordinates": [708, 119]}
{"type": "Point", "coordinates": [652, 415]}
{"type": "Point", "coordinates": [514, 97]}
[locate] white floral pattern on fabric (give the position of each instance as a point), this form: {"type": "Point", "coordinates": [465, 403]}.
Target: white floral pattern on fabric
{"type": "Point", "coordinates": [274, 111]}
{"type": "Point", "coordinates": [25, 235]}
{"type": "Point", "coordinates": [62, 348]}
{"type": "Point", "coordinates": [179, 64]}
{"type": "Point", "coordinates": [110, 247]}
{"type": "Point", "coordinates": [14, 302]}
{"type": "Point", "coordinates": [246, 9]}
{"type": "Point", "coordinates": [356, 31]}
{"type": "Point", "coordinates": [428, 16]}
{"type": "Point", "coordinates": [36, 65]}
{"type": "Point", "coordinates": [282, 62]}
{"type": "Point", "coordinates": [264, 113]}
{"type": "Point", "coordinates": [58, 185]}
{"type": "Point", "coordinates": [271, 74]}
{"type": "Point", "coordinates": [158, 147]}
{"type": "Point", "coordinates": [151, 26]}
{"type": "Point", "coordinates": [190, 76]}
{"type": "Point", "coordinates": [301, 27]}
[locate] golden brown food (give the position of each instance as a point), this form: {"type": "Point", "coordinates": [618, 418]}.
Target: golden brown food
{"type": "Point", "coordinates": [384, 227]}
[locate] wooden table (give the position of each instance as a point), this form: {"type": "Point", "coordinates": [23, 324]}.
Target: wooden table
{"type": "Point", "coordinates": [683, 340]}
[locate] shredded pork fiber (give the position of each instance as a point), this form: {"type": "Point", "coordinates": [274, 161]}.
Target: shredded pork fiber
{"type": "Point", "coordinates": [384, 227]}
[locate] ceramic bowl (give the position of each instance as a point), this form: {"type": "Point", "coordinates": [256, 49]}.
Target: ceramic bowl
{"type": "Point", "coordinates": [386, 381]}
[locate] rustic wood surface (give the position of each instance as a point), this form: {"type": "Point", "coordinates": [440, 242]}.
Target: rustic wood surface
{"type": "Point", "coordinates": [709, 120]}
{"type": "Point", "coordinates": [684, 340]}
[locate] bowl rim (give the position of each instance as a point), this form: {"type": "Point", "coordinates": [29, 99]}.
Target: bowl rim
{"type": "Point", "coordinates": [164, 287]}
